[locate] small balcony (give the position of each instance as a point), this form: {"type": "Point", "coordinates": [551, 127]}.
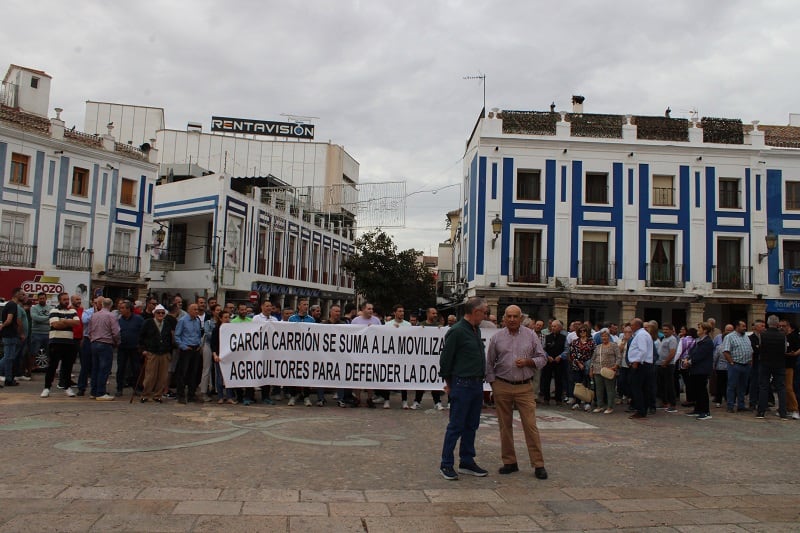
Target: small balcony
{"type": "Point", "coordinates": [661, 275]}
{"type": "Point", "coordinates": [789, 279]}
{"type": "Point", "coordinates": [122, 265]}
{"type": "Point", "coordinates": [17, 254]}
{"type": "Point", "coordinates": [534, 271]}
{"type": "Point", "coordinates": [732, 278]}
{"type": "Point", "coordinates": [276, 268]}
{"type": "Point", "coordinates": [595, 273]}
{"type": "Point", "coordinates": [73, 259]}
{"type": "Point", "coordinates": [290, 272]}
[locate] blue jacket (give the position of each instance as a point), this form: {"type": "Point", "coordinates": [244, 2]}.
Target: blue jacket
{"type": "Point", "coordinates": [702, 357]}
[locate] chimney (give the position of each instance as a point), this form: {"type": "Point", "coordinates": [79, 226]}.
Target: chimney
{"type": "Point", "coordinates": [794, 119]}
{"type": "Point", "coordinates": [577, 103]}
{"type": "Point", "coordinates": [195, 127]}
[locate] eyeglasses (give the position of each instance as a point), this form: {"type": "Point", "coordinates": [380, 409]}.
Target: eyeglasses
{"type": "Point", "coordinates": [161, 312]}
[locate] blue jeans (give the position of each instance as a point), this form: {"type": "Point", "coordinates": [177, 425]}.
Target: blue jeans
{"type": "Point", "coordinates": [737, 384]}
{"type": "Point", "coordinates": [85, 353]}
{"type": "Point", "coordinates": [222, 390]}
{"type": "Point", "coordinates": [466, 402]}
{"type": "Point", "coordinates": [38, 342]}
{"type": "Point", "coordinates": [102, 357]}
{"type": "Point", "coordinates": [11, 350]}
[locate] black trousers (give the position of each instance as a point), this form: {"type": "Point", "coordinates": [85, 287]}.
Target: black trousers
{"type": "Point", "coordinates": [129, 364]}
{"type": "Point", "coordinates": [186, 373]}
{"type": "Point", "coordinates": [721, 391]}
{"type": "Point", "coordinates": [699, 385]}
{"type": "Point", "coordinates": [666, 381]}
{"type": "Point", "coordinates": [778, 376]}
{"type": "Point", "coordinates": [550, 372]}
{"type": "Point", "coordinates": [63, 352]}
{"type": "Point", "coordinates": [641, 386]}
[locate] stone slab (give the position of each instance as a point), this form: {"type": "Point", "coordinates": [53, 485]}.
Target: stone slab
{"type": "Point", "coordinates": [208, 507]}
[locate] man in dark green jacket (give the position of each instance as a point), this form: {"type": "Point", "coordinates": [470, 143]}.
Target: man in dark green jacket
{"type": "Point", "coordinates": [462, 365]}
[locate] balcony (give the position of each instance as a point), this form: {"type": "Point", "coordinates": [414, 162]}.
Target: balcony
{"type": "Point", "coordinates": [122, 265]}
{"type": "Point", "coordinates": [325, 278]}
{"type": "Point", "coordinates": [599, 274]}
{"type": "Point", "coordinates": [663, 196]}
{"type": "Point", "coordinates": [276, 268]}
{"type": "Point", "coordinates": [290, 272]}
{"type": "Point", "coordinates": [261, 268]}
{"type": "Point", "coordinates": [17, 254]}
{"type": "Point", "coordinates": [789, 279]}
{"type": "Point", "coordinates": [534, 271]}
{"type": "Point", "coordinates": [732, 278]}
{"type": "Point", "coordinates": [315, 276]}
{"type": "Point", "coordinates": [660, 275]}
{"type": "Point", "coordinates": [73, 259]}
{"type": "Point", "coordinates": [304, 274]}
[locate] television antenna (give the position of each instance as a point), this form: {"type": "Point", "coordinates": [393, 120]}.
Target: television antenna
{"type": "Point", "coordinates": [481, 77]}
{"type": "Point", "coordinates": [298, 119]}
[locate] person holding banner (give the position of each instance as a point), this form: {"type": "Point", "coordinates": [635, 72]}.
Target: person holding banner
{"type": "Point", "coordinates": [512, 358]}
{"type": "Point", "coordinates": [431, 321]}
{"type": "Point", "coordinates": [462, 365]}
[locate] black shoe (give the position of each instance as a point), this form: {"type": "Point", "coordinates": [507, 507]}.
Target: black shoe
{"type": "Point", "coordinates": [171, 395]}
{"type": "Point", "coordinates": [157, 399]}
{"type": "Point", "coordinates": [508, 469]}
{"type": "Point", "coordinates": [651, 411]}
{"type": "Point", "coordinates": [637, 415]}
{"type": "Point", "coordinates": [12, 383]}
{"type": "Point", "coordinates": [472, 469]}
{"type": "Point", "coordinates": [82, 392]}
{"type": "Point", "coordinates": [182, 400]}
{"type": "Point", "coordinates": [729, 409]}
{"type": "Point", "coordinates": [143, 399]}
{"type": "Point", "coordinates": [448, 473]}
{"type": "Point", "coordinates": [118, 393]}
{"type": "Point", "coordinates": [760, 415]}
{"type": "Point", "coordinates": [540, 472]}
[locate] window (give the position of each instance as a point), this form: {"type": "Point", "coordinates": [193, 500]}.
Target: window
{"type": "Point", "coordinates": [596, 188]}
{"type": "Point", "coordinates": [122, 242]}
{"type": "Point", "coordinates": [729, 193]}
{"type": "Point", "coordinates": [277, 254]}
{"type": "Point", "coordinates": [127, 195]}
{"type": "Point", "coordinates": [19, 169]}
{"type": "Point", "coordinates": [73, 236]}
{"type": "Point", "coordinates": [729, 273]}
{"type": "Point", "coordinates": [661, 269]}
{"type": "Point", "coordinates": [80, 182]}
{"type": "Point", "coordinates": [664, 190]}
{"type": "Point", "coordinates": [792, 195]}
{"type": "Point", "coordinates": [12, 228]}
{"type": "Point", "coordinates": [595, 267]}
{"type": "Point", "coordinates": [34, 82]}
{"type": "Point", "coordinates": [176, 246]}
{"type": "Point", "coordinates": [304, 261]}
{"type": "Point", "coordinates": [529, 185]}
{"type": "Point", "coordinates": [315, 263]}
{"type": "Point", "coordinates": [292, 264]}
{"type": "Point", "coordinates": [528, 266]}
{"type": "Point", "coordinates": [791, 255]}
{"type": "Point", "coordinates": [209, 241]}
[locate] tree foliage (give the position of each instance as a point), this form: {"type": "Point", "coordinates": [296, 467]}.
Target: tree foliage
{"type": "Point", "coordinates": [386, 277]}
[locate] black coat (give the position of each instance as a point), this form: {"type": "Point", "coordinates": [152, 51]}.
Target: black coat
{"type": "Point", "coordinates": [702, 357]}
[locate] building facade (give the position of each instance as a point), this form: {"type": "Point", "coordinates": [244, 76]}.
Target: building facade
{"type": "Point", "coordinates": [75, 208]}
{"type": "Point", "coordinates": [607, 217]}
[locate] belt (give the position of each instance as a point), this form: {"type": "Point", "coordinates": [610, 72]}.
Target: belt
{"type": "Point", "coordinates": [195, 347]}
{"type": "Point", "coordinates": [472, 378]}
{"type": "Point", "coordinates": [523, 382]}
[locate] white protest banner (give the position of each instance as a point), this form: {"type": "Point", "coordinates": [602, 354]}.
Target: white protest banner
{"type": "Point", "coordinates": [331, 356]}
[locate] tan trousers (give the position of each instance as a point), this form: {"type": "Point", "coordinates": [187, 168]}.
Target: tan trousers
{"type": "Point", "coordinates": [506, 396]}
{"type": "Point", "coordinates": [155, 374]}
{"type": "Point", "coordinates": [791, 399]}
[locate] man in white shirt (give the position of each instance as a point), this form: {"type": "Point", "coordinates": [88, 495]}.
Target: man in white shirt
{"type": "Point", "coordinates": [266, 313]}
{"type": "Point", "coordinates": [640, 365]}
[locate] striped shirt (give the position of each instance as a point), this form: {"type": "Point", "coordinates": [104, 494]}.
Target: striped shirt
{"type": "Point", "coordinates": [61, 336]}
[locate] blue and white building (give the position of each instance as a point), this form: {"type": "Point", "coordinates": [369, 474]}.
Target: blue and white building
{"type": "Point", "coordinates": [607, 217]}
{"type": "Point", "coordinates": [76, 209]}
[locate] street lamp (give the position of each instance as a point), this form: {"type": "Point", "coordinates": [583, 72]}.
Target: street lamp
{"type": "Point", "coordinates": [772, 243]}
{"type": "Point", "coordinates": [497, 227]}
{"type": "Point", "coordinates": [160, 235]}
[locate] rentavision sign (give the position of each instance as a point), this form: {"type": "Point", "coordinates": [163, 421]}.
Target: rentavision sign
{"type": "Point", "coordinates": [262, 127]}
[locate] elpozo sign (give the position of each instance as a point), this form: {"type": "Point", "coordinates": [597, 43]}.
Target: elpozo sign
{"type": "Point", "coordinates": [262, 127]}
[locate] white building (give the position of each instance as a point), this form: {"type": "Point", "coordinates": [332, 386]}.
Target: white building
{"type": "Point", "coordinates": [75, 208]}
{"type": "Point", "coordinates": [607, 217]}
{"type": "Point", "coordinates": [246, 214]}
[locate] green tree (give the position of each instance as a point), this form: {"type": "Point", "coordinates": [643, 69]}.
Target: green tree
{"type": "Point", "coordinates": [386, 277]}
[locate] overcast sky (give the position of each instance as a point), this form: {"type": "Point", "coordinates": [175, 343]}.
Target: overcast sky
{"type": "Point", "coordinates": [386, 78]}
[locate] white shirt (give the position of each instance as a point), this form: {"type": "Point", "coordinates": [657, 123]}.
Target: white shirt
{"type": "Point", "coordinates": [261, 318]}
{"type": "Point", "coordinates": [641, 347]}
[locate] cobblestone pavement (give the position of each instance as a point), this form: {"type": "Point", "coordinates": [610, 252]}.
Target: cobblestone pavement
{"type": "Point", "coordinates": [73, 464]}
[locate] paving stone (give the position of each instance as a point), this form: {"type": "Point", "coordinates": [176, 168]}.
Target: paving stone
{"type": "Point", "coordinates": [526, 494]}
{"type": "Point", "coordinates": [664, 504]}
{"type": "Point", "coordinates": [10, 507]}
{"type": "Point", "coordinates": [655, 492]}
{"type": "Point", "coordinates": [331, 496]}
{"type": "Point", "coordinates": [61, 522]}
{"type": "Point", "coordinates": [208, 507]}
{"type": "Point", "coordinates": [719, 502]}
{"type": "Point", "coordinates": [179, 493]}
{"type": "Point", "coordinates": [647, 519]}
{"type": "Point", "coordinates": [135, 523]}
{"type": "Point", "coordinates": [771, 527]}
{"type": "Point", "coordinates": [590, 493]}
{"type": "Point", "coordinates": [773, 514]}
{"type": "Point", "coordinates": [582, 506]}
{"type": "Point", "coordinates": [774, 488]}
{"type": "Point", "coordinates": [441, 509]}
{"type": "Point", "coordinates": [99, 493]}
{"type": "Point", "coordinates": [358, 509]}
{"type": "Point", "coordinates": [338, 524]}
{"type": "Point", "coordinates": [439, 524]}
{"type": "Point", "coordinates": [475, 524]}
{"type": "Point", "coordinates": [718, 528]}
{"type": "Point", "coordinates": [730, 489]}
{"type": "Point", "coordinates": [573, 522]}
{"type": "Point", "coordinates": [30, 491]}
{"type": "Point", "coordinates": [395, 496]}
{"type": "Point", "coordinates": [122, 507]}
{"type": "Point", "coordinates": [285, 508]}
{"type": "Point", "coordinates": [530, 509]}
{"type": "Point", "coordinates": [462, 495]}
{"type": "Point", "coordinates": [239, 524]}
{"type": "Point", "coordinates": [260, 495]}
{"type": "Point", "coordinates": [715, 516]}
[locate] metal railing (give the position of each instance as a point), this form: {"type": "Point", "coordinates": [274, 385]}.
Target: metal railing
{"type": "Point", "coordinates": [729, 199]}
{"type": "Point", "coordinates": [592, 273]}
{"type": "Point", "coordinates": [789, 279]}
{"type": "Point", "coordinates": [596, 194]}
{"type": "Point", "coordinates": [737, 278]}
{"type": "Point", "coordinates": [17, 254]}
{"type": "Point", "coordinates": [661, 275]}
{"type": "Point", "coordinates": [533, 271]}
{"type": "Point", "coordinates": [73, 259]}
{"type": "Point", "coordinates": [664, 196]}
{"type": "Point", "coordinates": [122, 265]}
{"type": "Point", "coordinates": [8, 94]}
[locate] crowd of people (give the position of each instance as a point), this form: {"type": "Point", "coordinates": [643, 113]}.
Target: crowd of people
{"type": "Point", "coordinates": [173, 352]}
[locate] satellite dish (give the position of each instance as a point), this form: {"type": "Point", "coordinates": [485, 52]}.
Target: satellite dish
{"type": "Point", "coordinates": [145, 147]}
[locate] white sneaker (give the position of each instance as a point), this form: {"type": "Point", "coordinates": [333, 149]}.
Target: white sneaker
{"type": "Point", "coordinates": [796, 415]}
{"type": "Point", "coordinates": [23, 378]}
{"type": "Point", "coordinates": [386, 405]}
{"type": "Point", "coordinates": [307, 401]}
{"type": "Point", "coordinates": [378, 399]}
{"type": "Point", "coordinates": [45, 393]}
{"type": "Point", "coordinates": [105, 398]}
{"type": "Point", "coordinates": [69, 392]}
{"type": "Point", "coordinates": [576, 406]}
{"type": "Point", "coordinates": [415, 406]}
{"type": "Point", "coordinates": [439, 406]}
{"type": "Point", "coordinates": [291, 401]}
{"type": "Point", "coordinates": [587, 407]}
{"type": "Point", "coordinates": [405, 405]}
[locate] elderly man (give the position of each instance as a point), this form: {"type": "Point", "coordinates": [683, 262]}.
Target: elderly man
{"type": "Point", "coordinates": [189, 338]}
{"type": "Point", "coordinates": [513, 355]}
{"type": "Point", "coordinates": [156, 338]}
{"type": "Point", "coordinates": [129, 359]}
{"type": "Point", "coordinates": [640, 364]}
{"type": "Point", "coordinates": [462, 365]}
{"type": "Point", "coordinates": [104, 335]}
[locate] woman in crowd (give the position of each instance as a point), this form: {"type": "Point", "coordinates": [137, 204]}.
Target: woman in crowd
{"type": "Point", "coordinates": [224, 394]}
{"type": "Point", "coordinates": [605, 363]}
{"type": "Point", "coordinates": [720, 372]}
{"type": "Point", "coordinates": [700, 363]}
{"type": "Point", "coordinates": [684, 346]}
{"type": "Point", "coordinates": [580, 355]}
{"type": "Point", "coordinates": [623, 383]}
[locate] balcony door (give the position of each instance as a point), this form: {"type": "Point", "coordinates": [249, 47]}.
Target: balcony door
{"type": "Point", "coordinates": [594, 263]}
{"type": "Point", "coordinates": [527, 257]}
{"type": "Point", "coordinates": [729, 263]}
{"type": "Point", "coordinates": [662, 261]}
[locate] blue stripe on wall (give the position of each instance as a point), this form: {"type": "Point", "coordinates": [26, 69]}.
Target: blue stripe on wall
{"type": "Point", "coordinates": [473, 183]}
{"type": "Point", "coordinates": [697, 189]}
{"type": "Point", "coordinates": [711, 219]}
{"type": "Point", "coordinates": [3, 155]}
{"type": "Point", "coordinates": [563, 184]}
{"type": "Point", "coordinates": [774, 217]}
{"type": "Point", "coordinates": [38, 181]}
{"type": "Point", "coordinates": [684, 221]}
{"type": "Point", "coordinates": [494, 181]}
{"type": "Point", "coordinates": [550, 210]}
{"type": "Point", "coordinates": [616, 216]}
{"type": "Point", "coordinates": [577, 215]}
{"type": "Point", "coordinates": [758, 192]}
{"type": "Point", "coordinates": [630, 186]}
{"type": "Point", "coordinates": [51, 178]}
{"type": "Point", "coordinates": [61, 200]}
{"type": "Point", "coordinates": [480, 234]}
{"type": "Point", "coordinates": [644, 217]}
{"type": "Point", "coordinates": [104, 191]}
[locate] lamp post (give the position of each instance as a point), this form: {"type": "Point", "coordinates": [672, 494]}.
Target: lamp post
{"type": "Point", "coordinates": [772, 243]}
{"type": "Point", "coordinates": [497, 227]}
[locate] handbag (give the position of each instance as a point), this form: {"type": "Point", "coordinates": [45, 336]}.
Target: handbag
{"type": "Point", "coordinates": [608, 373]}
{"type": "Point", "coordinates": [583, 393]}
